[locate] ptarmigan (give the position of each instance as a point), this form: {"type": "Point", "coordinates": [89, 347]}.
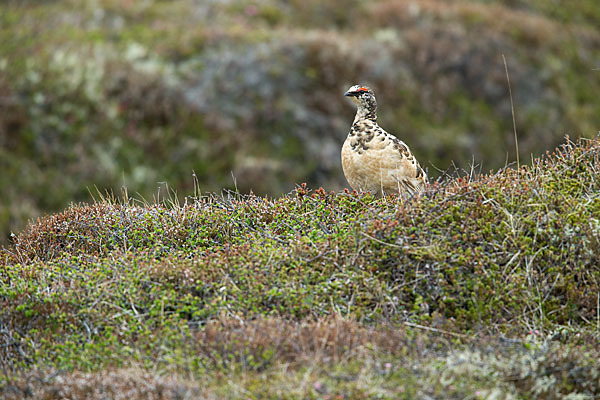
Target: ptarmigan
{"type": "Point", "coordinates": [374, 160]}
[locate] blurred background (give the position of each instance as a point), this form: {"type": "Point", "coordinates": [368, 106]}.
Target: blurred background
{"type": "Point", "coordinates": [110, 93]}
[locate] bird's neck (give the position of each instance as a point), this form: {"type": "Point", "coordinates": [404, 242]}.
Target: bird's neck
{"type": "Point", "coordinates": [365, 113]}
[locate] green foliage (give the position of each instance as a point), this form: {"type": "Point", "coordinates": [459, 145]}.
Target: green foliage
{"type": "Point", "coordinates": [483, 274]}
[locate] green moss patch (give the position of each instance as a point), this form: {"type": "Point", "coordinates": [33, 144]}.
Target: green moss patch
{"type": "Point", "coordinates": [481, 274]}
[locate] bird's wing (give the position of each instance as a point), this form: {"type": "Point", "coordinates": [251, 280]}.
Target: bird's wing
{"type": "Point", "coordinates": [396, 157]}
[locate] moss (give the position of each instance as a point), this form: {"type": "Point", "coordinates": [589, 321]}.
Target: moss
{"type": "Point", "coordinates": [504, 254]}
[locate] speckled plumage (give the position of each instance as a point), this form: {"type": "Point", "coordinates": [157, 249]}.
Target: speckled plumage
{"type": "Point", "coordinates": [374, 160]}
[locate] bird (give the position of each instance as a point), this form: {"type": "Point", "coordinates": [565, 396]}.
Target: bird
{"type": "Point", "coordinates": [374, 160]}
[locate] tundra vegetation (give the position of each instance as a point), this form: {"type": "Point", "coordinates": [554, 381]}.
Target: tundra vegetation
{"type": "Point", "coordinates": [487, 285]}
{"type": "Point", "coordinates": [483, 286]}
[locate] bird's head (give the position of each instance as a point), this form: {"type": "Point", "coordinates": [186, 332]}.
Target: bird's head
{"type": "Point", "coordinates": [364, 98]}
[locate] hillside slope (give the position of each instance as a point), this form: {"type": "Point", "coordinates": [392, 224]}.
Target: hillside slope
{"type": "Point", "coordinates": [485, 285]}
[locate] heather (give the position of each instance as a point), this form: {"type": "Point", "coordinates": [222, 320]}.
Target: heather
{"type": "Point", "coordinates": [484, 285]}
{"type": "Point", "coordinates": [174, 222]}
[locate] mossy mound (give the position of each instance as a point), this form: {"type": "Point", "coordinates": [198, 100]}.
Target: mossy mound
{"type": "Point", "coordinates": [475, 276]}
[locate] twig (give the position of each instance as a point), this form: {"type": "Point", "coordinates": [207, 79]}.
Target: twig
{"type": "Point", "coordinates": [427, 328]}
{"type": "Point", "coordinates": [512, 109]}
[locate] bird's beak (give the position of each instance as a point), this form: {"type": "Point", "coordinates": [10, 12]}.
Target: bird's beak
{"type": "Point", "coordinates": [350, 93]}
